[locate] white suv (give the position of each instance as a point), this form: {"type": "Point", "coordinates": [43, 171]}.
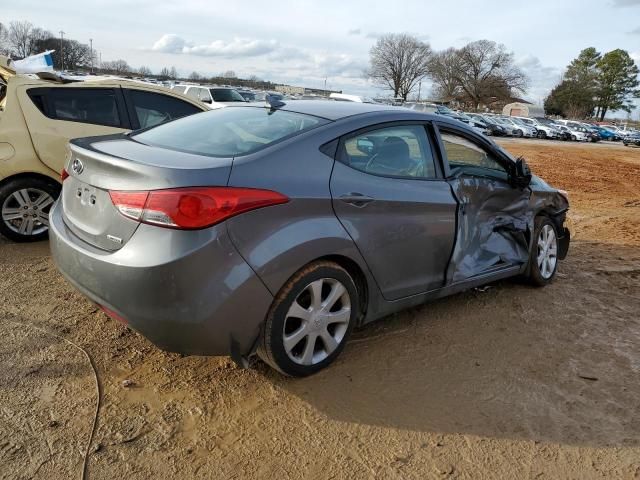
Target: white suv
{"type": "Point", "coordinates": [544, 131]}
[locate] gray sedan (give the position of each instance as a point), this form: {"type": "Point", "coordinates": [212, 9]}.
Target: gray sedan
{"type": "Point", "coordinates": [278, 229]}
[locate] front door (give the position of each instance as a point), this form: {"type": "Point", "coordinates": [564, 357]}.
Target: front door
{"type": "Point", "coordinates": [399, 211]}
{"type": "Point", "coordinates": [494, 218]}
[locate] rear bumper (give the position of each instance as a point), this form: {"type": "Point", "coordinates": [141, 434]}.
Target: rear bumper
{"type": "Point", "coordinates": [186, 291]}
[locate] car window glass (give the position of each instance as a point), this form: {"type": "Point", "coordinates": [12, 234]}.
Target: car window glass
{"type": "Point", "coordinates": [401, 151]}
{"type": "Point", "coordinates": [204, 95]}
{"type": "Point", "coordinates": [462, 152]}
{"type": "Point", "coordinates": [154, 108]}
{"type": "Point", "coordinates": [179, 88]}
{"type": "Point", "coordinates": [226, 95]}
{"type": "Point", "coordinates": [229, 131]}
{"type": "Point", "coordinates": [194, 93]}
{"type": "Point", "coordinates": [87, 105]}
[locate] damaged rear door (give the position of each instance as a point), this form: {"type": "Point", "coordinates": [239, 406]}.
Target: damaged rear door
{"type": "Point", "coordinates": [493, 219]}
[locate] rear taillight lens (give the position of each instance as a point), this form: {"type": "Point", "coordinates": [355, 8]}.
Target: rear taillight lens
{"type": "Point", "coordinates": [64, 175]}
{"type": "Point", "coordinates": [192, 207]}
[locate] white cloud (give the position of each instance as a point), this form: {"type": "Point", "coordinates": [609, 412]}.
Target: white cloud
{"type": "Point", "coordinates": [169, 43]}
{"type": "Point", "coordinates": [238, 47]}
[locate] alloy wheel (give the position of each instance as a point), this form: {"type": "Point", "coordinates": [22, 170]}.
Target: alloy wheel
{"type": "Point", "coordinates": [26, 211]}
{"type": "Point", "coordinates": [547, 251]}
{"type": "Point", "coordinates": [317, 321]}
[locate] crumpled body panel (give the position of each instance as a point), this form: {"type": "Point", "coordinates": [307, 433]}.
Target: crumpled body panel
{"type": "Point", "coordinates": [495, 224]}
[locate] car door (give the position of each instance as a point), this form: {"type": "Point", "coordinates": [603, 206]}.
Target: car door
{"type": "Point", "coordinates": [494, 218]}
{"type": "Point", "coordinates": [148, 109]}
{"type": "Point", "coordinates": [389, 194]}
{"type": "Point", "coordinates": [57, 114]}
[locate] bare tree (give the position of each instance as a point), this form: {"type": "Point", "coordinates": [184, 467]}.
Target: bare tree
{"type": "Point", "coordinates": [145, 71]}
{"type": "Point", "coordinates": [76, 54]}
{"type": "Point", "coordinates": [195, 76]}
{"type": "Point", "coordinates": [20, 38]}
{"type": "Point", "coordinates": [173, 73]}
{"type": "Point", "coordinates": [229, 74]}
{"type": "Point", "coordinates": [399, 62]}
{"type": "Point", "coordinates": [4, 45]}
{"type": "Point", "coordinates": [116, 67]}
{"type": "Point", "coordinates": [442, 70]}
{"type": "Point", "coordinates": [485, 71]}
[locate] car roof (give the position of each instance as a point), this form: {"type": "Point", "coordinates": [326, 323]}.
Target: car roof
{"type": "Point", "coordinates": [335, 110]}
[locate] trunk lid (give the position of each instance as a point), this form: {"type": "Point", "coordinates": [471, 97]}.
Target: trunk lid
{"type": "Point", "coordinates": [98, 165]}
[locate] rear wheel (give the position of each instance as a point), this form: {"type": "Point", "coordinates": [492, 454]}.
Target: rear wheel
{"type": "Point", "coordinates": [543, 258]}
{"type": "Point", "coordinates": [310, 320]}
{"type": "Point", "coordinates": [574, 138]}
{"type": "Point", "coordinates": [24, 208]}
{"type": "Point", "coordinates": [541, 134]}
{"type": "Point", "coordinates": [519, 133]}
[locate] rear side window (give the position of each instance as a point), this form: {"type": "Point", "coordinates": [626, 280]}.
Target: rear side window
{"type": "Point", "coordinates": [230, 131]}
{"type": "Point", "coordinates": [86, 105]}
{"type": "Point", "coordinates": [153, 108]}
{"type": "Point", "coordinates": [179, 88]}
{"type": "Point", "coordinates": [398, 151]}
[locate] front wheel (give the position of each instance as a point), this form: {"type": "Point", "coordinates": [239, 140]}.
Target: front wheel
{"type": "Point", "coordinates": [310, 320]}
{"type": "Point", "coordinates": [543, 258]}
{"type": "Point", "coordinates": [24, 208]}
{"type": "Point", "coordinates": [519, 133]}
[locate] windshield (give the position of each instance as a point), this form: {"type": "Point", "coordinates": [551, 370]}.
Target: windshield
{"type": "Point", "coordinates": [443, 109]}
{"type": "Point", "coordinates": [228, 132]}
{"type": "Point", "coordinates": [226, 95]}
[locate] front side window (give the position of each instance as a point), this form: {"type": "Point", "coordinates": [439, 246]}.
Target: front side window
{"type": "Point", "coordinates": [193, 92]}
{"type": "Point", "coordinates": [230, 131]}
{"type": "Point", "coordinates": [86, 105]}
{"type": "Point", "coordinates": [463, 153]}
{"type": "Point", "coordinates": [400, 151]}
{"type": "Point", "coordinates": [153, 108]}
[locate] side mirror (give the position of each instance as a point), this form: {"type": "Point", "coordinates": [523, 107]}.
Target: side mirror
{"type": "Point", "coordinates": [520, 175]}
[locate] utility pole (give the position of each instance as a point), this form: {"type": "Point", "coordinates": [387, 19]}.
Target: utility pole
{"type": "Point", "coordinates": [61, 51]}
{"type": "Point", "coordinates": [419, 89]}
{"type": "Point", "coordinates": [91, 53]}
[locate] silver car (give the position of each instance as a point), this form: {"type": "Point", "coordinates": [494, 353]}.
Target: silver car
{"type": "Point", "coordinates": [278, 229]}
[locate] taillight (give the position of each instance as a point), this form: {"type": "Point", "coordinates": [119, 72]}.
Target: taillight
{"type": "Point", "coordinates": [64, 175]}
{"type": "Point", "coordinates": [192, 207]}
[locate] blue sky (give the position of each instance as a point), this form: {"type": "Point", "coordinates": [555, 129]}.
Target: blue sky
{"type": "Point", "coordinates": [303, 42]}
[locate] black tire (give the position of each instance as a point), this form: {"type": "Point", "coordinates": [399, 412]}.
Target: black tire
{"type": "Point", "coordinates": [271, 347]}
{"type": "Point", "coordinates": [542, 134]}
{"type": "Point", "coordinates": [574, 138]}
{"type": "Point", "coordinates": [534, 275]}
{"type": "Point", "coordinates": [519, 133]}
{"type": "Point", "coordinates": [8, 202]}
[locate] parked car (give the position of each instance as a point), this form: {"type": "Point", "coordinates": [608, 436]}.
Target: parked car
{"type": "Point", "coordinates": [521, 129]}
{"type": "Point", "coordinates": [490, 124]}
{"type": "Point", "coordinates": [606, 134]}
{"type": "Point", "coordinates": [575, 134]}
{"type": "Point", "coordinates": [422, 107]}
{"type": "Point", "coordinates": [447, 112]}
{"type": "Point", "coordinates": [38, 118]}
{"type": "Point", "coordinates": [633, 139]}
{"type": "Point", "coordinates": [543, 130]}
{"type": "Point", "coordinates": [213, 95]}
{"type": "Point", "coordinates": [379, 210]}
{"type": "Point", "coordinates": [344, 97]}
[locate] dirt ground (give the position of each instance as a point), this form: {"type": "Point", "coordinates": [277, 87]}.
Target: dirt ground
{"type": "Point", "coordinates": [509, 382]}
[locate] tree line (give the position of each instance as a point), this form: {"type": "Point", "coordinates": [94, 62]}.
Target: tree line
{"type": "Point", "coordinates": [483, 72]}
{"type": "Point", "coordinates": [479, 74]}
{"type": "Point", "coordinates": [594, 84]}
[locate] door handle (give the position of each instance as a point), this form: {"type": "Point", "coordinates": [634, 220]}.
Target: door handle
{"type": "Point", "coordinates": [356, 199]}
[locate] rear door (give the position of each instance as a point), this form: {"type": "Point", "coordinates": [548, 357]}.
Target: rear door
{"type": "Point", "coordinates": [389, 194]}
{"type": "Point", "coordinates": [494, 218]}
{"type": "Point", "coordinates": [57, 114]}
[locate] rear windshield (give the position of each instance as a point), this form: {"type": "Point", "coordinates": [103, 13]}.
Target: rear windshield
{"type": "Point", "coordinates": [226, 95]}
{"type": "Point", "coordinates": [229, 131]}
